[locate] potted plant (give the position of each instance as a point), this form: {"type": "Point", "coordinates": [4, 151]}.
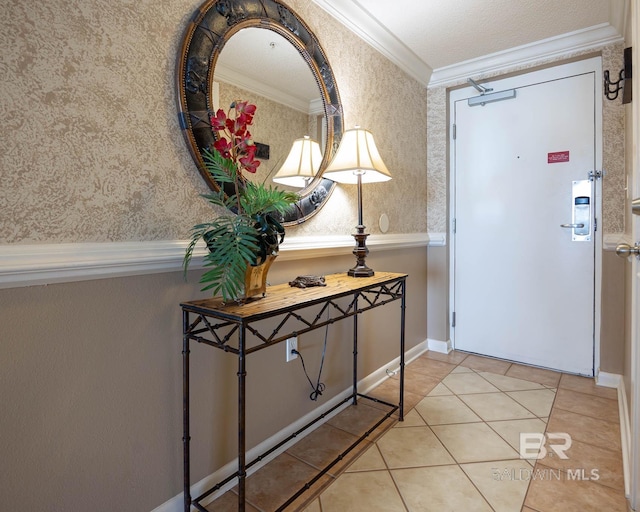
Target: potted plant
{"type": "Point", "coordinates": [243, 243]}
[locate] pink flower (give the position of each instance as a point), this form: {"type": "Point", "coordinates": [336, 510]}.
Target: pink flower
{"type": "Point", "coordinates": [233, 140]}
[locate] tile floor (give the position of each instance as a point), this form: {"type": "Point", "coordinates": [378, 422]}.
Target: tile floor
{"type": "Point", "coordinates": [458, 448]}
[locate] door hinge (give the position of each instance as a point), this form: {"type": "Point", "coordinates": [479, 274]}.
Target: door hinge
{"type": "Point", "coordinates": [595, 224]}
{"type": "Point", "coordinates": [454, 131]}
{"type": "Point", "coordinates": [595, 175]}
{"type": "Point", "coordinates": [453, 319]}
{"type": "Point", "coordinates": [453, 226]}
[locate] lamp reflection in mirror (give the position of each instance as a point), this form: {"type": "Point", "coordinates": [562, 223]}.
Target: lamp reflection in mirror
{"type": "Point", "coordinates": [301, 165]}
{"type": "Point", "coordinates": [358, 161]}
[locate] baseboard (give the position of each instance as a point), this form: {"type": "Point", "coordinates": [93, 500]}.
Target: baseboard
{"type": "Point", "coordinates": [176, 504]}
{"type": "Point", "coordinates": [625, 434]}
{"type": "Point", "coordinates": [612, 380]}
{"type": "Point", "coordinates": [444, 347]}
{"type": "Point", "coordinates": [608, 380]}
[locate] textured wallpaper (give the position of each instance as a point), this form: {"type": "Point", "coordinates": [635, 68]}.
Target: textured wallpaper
{"type": "Point", "coordinates": [90, 146]}
{"type": "Point", "coordinates": [613, 149]}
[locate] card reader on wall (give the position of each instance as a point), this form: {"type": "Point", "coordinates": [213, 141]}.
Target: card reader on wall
{"type": "Point", "coordinates": [581, 215]}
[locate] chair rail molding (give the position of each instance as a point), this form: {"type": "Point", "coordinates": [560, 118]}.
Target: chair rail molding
{"type": "Point", "coordinates": [38, 264]}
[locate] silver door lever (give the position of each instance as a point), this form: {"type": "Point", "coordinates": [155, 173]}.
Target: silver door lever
{"type": "Point", "coordinates": [572, 226]}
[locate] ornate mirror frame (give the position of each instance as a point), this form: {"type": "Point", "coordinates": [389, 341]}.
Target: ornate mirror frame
{"type": "Point", "coordinates": [209, 29]}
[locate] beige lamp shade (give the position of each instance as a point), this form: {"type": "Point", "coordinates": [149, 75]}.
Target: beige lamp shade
{"type": "Point", "coordinates": [301, 164]}
{"type": "Point", "coordinates": [357, 155]}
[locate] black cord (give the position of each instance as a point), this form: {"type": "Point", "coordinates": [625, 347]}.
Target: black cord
{"type": "Point", "coordinates": [319, 387]}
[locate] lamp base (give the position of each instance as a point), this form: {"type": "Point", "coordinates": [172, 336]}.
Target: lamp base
{"type": "Point", "coordinates": [360, 252]}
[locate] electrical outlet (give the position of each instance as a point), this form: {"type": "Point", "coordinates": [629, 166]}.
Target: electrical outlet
{"type": "Point", "coordinates": [292, 344]}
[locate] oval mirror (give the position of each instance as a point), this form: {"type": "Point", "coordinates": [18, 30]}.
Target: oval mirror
{"type": "Point", "coordinates": [267, 50]}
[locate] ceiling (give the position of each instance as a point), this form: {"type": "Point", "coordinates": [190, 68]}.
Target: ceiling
{"type": "Point", "coordinates": [435, 40]}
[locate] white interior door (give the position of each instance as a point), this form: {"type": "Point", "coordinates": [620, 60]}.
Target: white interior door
{"type": "Point", "coordinates": [524, 287]}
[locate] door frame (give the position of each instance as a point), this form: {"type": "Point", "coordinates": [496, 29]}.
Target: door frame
{"type": "Point", "coordinates": [634, 385]}
{"type": "Point", "coordinates": [503, 82]}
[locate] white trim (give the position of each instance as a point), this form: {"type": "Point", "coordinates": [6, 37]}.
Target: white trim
{"type": "Point", "coordinates": [608, 380]}
{"type": "Point", "coordinates": [360, 21]}
{"type": "Point", "coordinates": [437, 239]}
{"type": "Point", "coordinates": [28, 265]}
{"type": "Point", "coordinates": [612, 380]}
{"type": "Point", "coordinates": [590, 38]}
{"type": "Point", "coordinates": [443, 347]}
{"type": "Point", "coordinates": [611, 240]}
{"type": "Point", "coordinates": [176, 504]}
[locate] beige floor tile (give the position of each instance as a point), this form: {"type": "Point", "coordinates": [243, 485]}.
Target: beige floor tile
{"type": "Point", "coordinates": [551, 494]}
{"type": "Point", "coordinates": [510, 430]}
{"type": "Point", "coordinates": [496, 406]}
{"type": "Point", "coordinates": [322, 446]}
{"type": "Point", "coordinates": [538, 401]}
{"type": "Point", "coordinates": [462, 369]}
{"type": "Point", "coordinates": [314, 507]}
{"type": "Point", "coordinates": [452, 357]}
{"type": "Point", "coordinates": [527, 509]}
{"type": "Point", "coordinates": [592, 461]}
{"type": "Point", "coordinates": [414, 446]}
{"type": "Point", "coordinates": [589, 405]}
{"type": "Point", "coordinates": [442, 410]}
{"type": "Point", "coordinates": [594, 431]}
{"type": "Point", "coordinates": [500, 482]}
{"type": "Point", "coordinates": [370, 460]}
{"type": "Point", "coordinates": [464, 383]}
{"type": "Point", "coordinates": [267, 490]}
{"type": "Point", "coordinates": [486, 364]}
{"type": "Point", "coordinates": [371, 491]}
{"type": "Point", "coordinates": [587, 385]}
{"type": "Point", "coordinates": [474, 442]}
{"type": "Point", "coordinates": [540, 375]}
{"type": "Point", "coordinates": [412, 419]}
{"type": "Point", "coordinates": [431, 367]}
{"type": "Point", "coordinates": [504, 383]}
{"type": "Point", "coordinates": [440, 390]}
{"type": "Point", "coordinates": [389, 391]}
{"type": "Point", "coordinates": [438, 489]}
{"type": "Point", "coordinates": [357, 419]}
{"type": "Point", "coordinates": [419, 383]}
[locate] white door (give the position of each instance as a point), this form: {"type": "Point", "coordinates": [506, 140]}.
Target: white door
{"type": "Point", "coordinates": [523, 286]}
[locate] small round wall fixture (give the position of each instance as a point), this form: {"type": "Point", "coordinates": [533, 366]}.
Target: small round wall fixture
{"type": "Point", "coordinates": [209, 29]}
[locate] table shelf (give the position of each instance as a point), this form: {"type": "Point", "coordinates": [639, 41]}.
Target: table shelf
{"type": "Point", "coordinates": [235, 328]}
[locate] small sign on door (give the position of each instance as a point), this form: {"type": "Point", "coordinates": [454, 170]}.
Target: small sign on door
{"type": "Point", "coordinates": [557, 157]}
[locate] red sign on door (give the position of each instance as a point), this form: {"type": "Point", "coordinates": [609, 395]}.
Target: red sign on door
{"type": "Point", "coordinates": [557, 157]}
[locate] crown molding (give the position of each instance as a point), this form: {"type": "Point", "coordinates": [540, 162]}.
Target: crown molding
{"type": "Point", "coordinates": [590, 38]}
{"type": "Point", "coordinates": [359, 21]}
{"type": "Point", "coordinates": [229, 76]}
{"type": "Point", "coordinates": [28, 265]}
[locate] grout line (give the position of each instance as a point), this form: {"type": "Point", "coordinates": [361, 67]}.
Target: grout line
{"type": "Point", "coordinates": [455, 462]}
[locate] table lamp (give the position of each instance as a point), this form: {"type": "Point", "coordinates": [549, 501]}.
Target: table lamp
{"type": "Point", "coordinates": [358, 161]}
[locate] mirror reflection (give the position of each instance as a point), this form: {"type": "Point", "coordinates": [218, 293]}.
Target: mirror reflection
{"type": "Point", "coordinates": [260, 66]}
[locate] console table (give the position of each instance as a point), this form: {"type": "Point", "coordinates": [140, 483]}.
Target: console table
{"type": "Point", "coordinates": [234, 328]}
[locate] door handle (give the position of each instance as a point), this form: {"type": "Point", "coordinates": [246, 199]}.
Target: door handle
{"type": "Point", "coordinates": [624, 250]}
{"type": "Point", "coordinates": [572, 226]}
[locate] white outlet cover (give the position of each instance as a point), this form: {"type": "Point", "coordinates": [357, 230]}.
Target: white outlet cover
{"type": "Point", "coordinates": [383, 222]}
